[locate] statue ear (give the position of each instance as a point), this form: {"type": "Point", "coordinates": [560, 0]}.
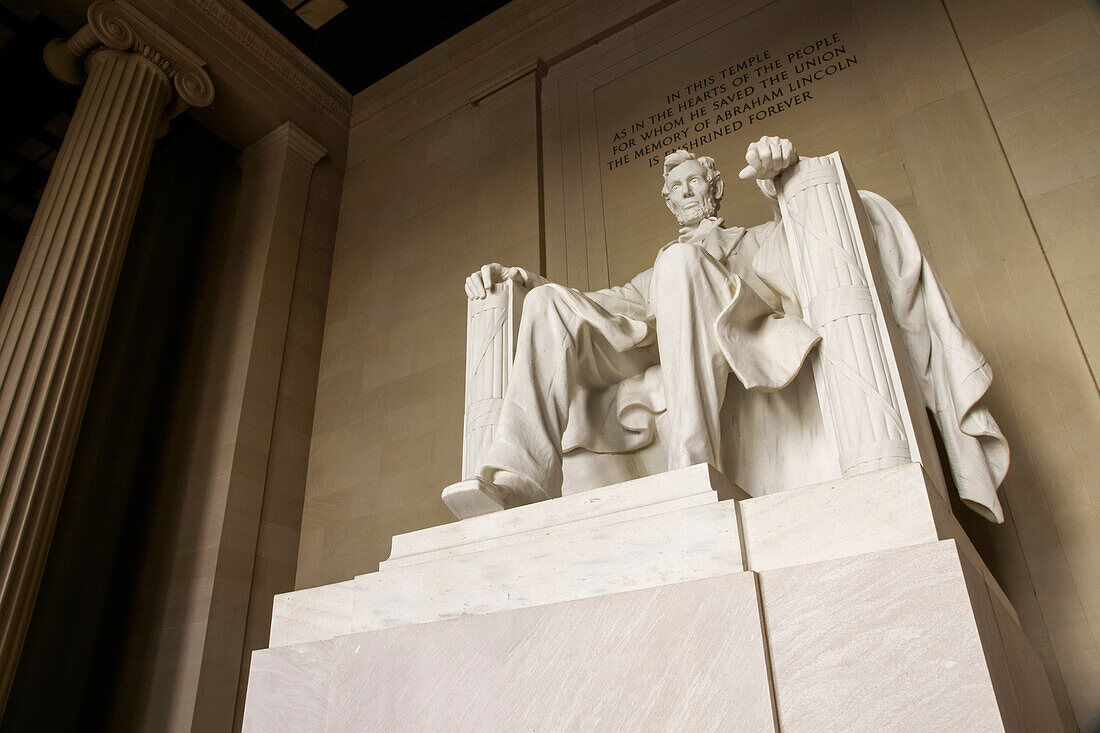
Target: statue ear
{"type": "Point", "coordinates": [717, 187]}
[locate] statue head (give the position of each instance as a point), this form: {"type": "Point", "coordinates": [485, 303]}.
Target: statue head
{"type": "Point", "coordinates": [693, 187]}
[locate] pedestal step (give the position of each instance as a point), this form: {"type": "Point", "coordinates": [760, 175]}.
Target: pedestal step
{"type": "Point", "coordinates": [670, 602]}
{"type": "Point", "coordinates": [902, 639]}
{"type": "Point", "coordinates": [671, 527]}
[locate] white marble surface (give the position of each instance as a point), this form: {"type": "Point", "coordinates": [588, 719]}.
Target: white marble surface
{"type": "Point", "coordinates": [665, 492]}
{"type": "Point", "coordinates": [888, 508]}
{"type": "Point", "coordinates": [660, 529]}
{"type": "Point", "coordinates": [312, 613]}
{"type": "Point", "coordinates": [885, 641]}
{"type": "Point", "coordinates": [560, 564]}
{"type": "Point", "coordinates": [288, 687]}
{"type": "Point", "coordinates": [688, 656]}
{"type": "Point", "coordinates": [1019, 680]}
{"type": "Point", "coordinates": [909, 638]}
{"type": "Point", "coordinates": [1038, 710]}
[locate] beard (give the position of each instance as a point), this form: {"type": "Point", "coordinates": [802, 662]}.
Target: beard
{"type": "Point", "coordinates": [709, 209]}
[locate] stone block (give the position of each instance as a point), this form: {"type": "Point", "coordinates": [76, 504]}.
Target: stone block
{"type": "Point", "coordinates": [288, 687]}
{"type": "Point", "coordinates": [312, 613]}
{"type": "Point", "coordinates": [671, 527]}
{"type": "Point", "coordinates": [874, 511]}
{"type": "Point", "coordinates": [890, 640]}
{"type": "Point", "coordinates": [557, 564]}
{"type": "Point", "coordinates": [685, 656]}
{"type": "Point", "coordinates": [657, 494]}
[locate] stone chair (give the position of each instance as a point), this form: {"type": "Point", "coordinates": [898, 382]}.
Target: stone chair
{"type": "Point", "coordinates": [861, 405]}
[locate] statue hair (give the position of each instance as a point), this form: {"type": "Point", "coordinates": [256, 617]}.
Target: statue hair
{"type": "Point", "coordinates": [713, 176]}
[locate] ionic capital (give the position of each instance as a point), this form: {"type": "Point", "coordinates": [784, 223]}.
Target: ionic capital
{"type": "Point", "coordinates": [117, 25]}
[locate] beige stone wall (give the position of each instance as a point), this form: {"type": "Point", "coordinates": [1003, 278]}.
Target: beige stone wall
{"type": "Point", "coordinates": [1037, 68]}
{"type": "Point", "coordinates": [977, 118]}
{"type": "Point", "coordinates": [433, 207]}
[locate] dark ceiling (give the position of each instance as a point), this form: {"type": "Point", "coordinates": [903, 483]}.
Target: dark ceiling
{"type": "Point", "coordinates": [370, 39]}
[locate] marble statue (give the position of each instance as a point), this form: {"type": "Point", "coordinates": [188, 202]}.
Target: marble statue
{"type": "Point", "coordinates": [757, 303]}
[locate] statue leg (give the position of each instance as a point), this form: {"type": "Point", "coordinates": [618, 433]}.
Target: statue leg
{"type": "Point", "coordinates": [561, 347]}
{"type": "Point", "coordinates": [689, 290]}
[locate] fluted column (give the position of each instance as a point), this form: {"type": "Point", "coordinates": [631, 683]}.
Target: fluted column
{"type": "Point", "coordinates": [55, 310]}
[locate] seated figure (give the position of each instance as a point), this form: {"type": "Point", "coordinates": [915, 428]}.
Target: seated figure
{"type": "Point", "coordinates": [702, 311]}
{"type": "Point", "coordinates": [717, 301]}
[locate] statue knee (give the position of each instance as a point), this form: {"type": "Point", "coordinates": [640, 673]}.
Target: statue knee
{"type": "Point", "coordinates": [678, 258]}
{"type": "Point", "coordinates": [543, 304]}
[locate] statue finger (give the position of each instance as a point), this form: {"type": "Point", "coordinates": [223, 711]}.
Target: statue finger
{"type": "Point", "coordinates": [788, 152]}
{"type": "Point", "coordinates": [764, 150]}
{"type": "Point", "coordinates": [487, 277]}
{"type": "Point", "coordinates": [776, 151]}
{"type": "Point", "coordinates": [746, 173]}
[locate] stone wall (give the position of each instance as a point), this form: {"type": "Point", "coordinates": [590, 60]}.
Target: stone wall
{"type": "Point", "coordinates": [506, 143]}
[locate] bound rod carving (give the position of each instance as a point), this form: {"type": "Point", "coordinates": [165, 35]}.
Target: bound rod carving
{"type": "Point", "coordinates": [491, 325]}
{"type": "Point", "coordinates": [856, 382]}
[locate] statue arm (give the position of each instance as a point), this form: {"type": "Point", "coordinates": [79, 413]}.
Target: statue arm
{"type": "Point", "coordinates": [627, 300]}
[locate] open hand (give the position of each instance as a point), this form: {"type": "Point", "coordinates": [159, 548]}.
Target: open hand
{"type": "Point", "coordinates": [768, 157]}
{"type": "Point", "coordinates": [479, 283]}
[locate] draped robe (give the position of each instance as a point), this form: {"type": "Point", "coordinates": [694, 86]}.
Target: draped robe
{"type": "Point", "coordinates": [765, 343]}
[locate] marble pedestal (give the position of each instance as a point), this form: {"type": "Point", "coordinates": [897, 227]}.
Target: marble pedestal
{"type": "Point", "coordinates": [673, 602]}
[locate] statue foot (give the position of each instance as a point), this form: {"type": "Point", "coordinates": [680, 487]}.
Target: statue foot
{"type": "Point", "coordinates": [473, 497]}
{"type": "Point", "coordinates": [476, 496]}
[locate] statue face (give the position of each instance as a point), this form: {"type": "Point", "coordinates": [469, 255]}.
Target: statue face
{"type": "Point", "coordinates": [690, 197]}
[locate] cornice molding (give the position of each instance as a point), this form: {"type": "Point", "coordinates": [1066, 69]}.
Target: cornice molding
{"type": "Point", "coordinates": [445, 58]}
{"type": "Point", "coordinates": [535, 66]}
{"type": "Point", "coordinates": [277, 53]}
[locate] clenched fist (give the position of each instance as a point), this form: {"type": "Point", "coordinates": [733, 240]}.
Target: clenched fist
{"type": "Point", "coordinates": [768, 157]}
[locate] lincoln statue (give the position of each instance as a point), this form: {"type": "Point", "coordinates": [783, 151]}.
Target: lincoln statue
{"type": "Point", "coordinates": [707, 308]}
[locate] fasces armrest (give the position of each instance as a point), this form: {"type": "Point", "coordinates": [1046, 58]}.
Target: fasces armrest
{"type": "Point", "coordinates": [492, 324]}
